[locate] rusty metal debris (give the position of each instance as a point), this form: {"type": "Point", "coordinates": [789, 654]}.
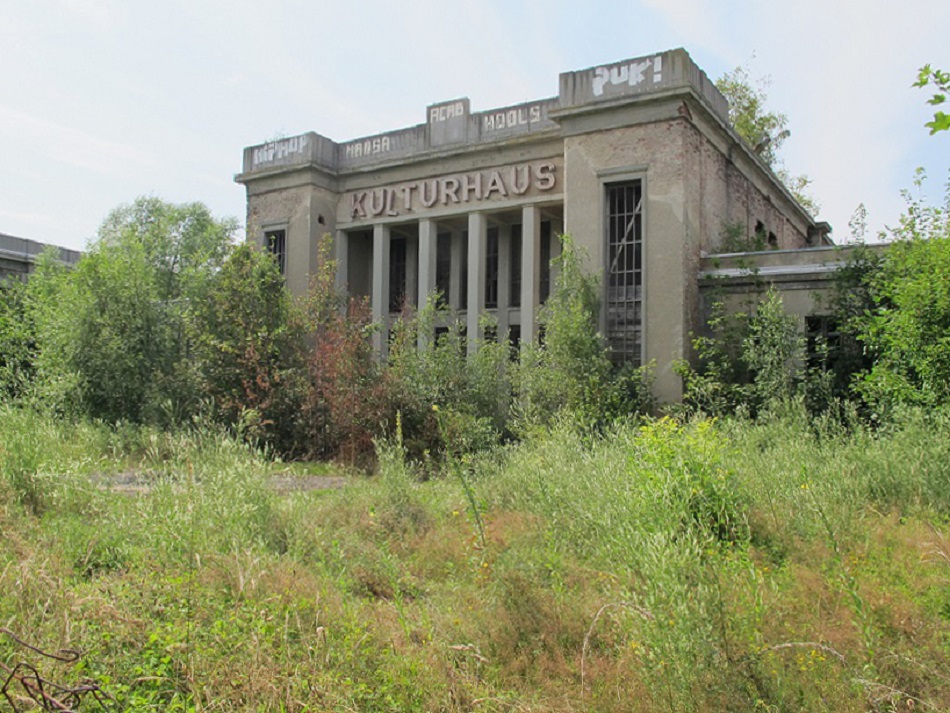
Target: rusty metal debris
{"type": "Point", "coordinates": [23, 682]}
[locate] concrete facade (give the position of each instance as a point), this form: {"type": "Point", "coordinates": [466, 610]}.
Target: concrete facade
{"type": "Point", "coordinates": [636, 160]}
{"type": "Point", "coordinates": [18, 256]}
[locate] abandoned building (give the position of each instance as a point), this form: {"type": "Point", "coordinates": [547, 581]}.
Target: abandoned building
{"type": "Point", "coordinates": [18, 255]}
{"type": "Point", "coordinates": [636, 160]}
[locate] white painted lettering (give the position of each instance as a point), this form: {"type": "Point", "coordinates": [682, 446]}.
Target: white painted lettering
{"type": "Point", "coordinates": [444, 112]}
{"type": "Point", "coordinates": [631, 74]}
{"type": "Point", "coordinates": [601, 75]}
{"type": "Point", "coordinates": [636, 72]}
{"type": "Point", "coordinates": [279, 149]}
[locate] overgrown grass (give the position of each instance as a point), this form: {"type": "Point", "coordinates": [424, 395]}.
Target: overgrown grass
{"type": "Point", "coordinates": [710, 565]}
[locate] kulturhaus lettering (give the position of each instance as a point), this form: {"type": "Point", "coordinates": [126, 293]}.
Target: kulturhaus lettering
{"type": "Point", "coordinates": [466, 188]}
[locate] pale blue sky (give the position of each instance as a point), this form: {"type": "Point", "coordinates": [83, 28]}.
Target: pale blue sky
{"type": "Point", "coordinates": [105, 100]}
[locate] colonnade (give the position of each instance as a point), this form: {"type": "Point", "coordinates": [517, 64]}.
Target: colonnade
{"type": "Point", "coordinates": [422, 267]}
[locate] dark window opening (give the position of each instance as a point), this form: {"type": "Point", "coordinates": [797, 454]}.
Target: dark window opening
{"type": "Point", "coordinates": [625, 270]}
{"type": "Point", "coordinates": [514, 260]}
{"type": "Point", "coordinates": [397, 273]}
{"type": "Point", "coordinates": [491, 334]}
{"type": "Point", "coordinates": [514, 339]}
{"type": "Point", "coordinates": [463, 292]}
{"type": "Point", "coordinates": [275, 241]}
{"type": "Point", "coordinates": [443, 266]}
{"type": "Point", "coordinates": [773, 240]}
{"type": "Point", "coordinates": [822, 341]}
{"type": "Point", "coordinates": [545, 277]}
{"type": "Point", "coordinates": [491, 269]}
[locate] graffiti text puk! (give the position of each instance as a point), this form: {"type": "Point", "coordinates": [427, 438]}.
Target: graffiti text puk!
{"type": "Point", "coordinates": [274, 150]}
{"type": "Point", "coordinates": [459, 188]}
{"type": "Point", "coordinates": [632, 74]}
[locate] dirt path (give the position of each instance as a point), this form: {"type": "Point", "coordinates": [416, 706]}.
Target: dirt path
{"type": "Point", "coordinates": [139, 483]}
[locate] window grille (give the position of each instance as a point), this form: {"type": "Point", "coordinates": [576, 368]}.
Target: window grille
{"type": "Point", "coordinates": [275, 241]}
{"type": "Point", "coordinates": [514, 260]}
{"type": "Point", "coordinates": [397, 273]}
{"type": "Point", "coordinates": [491, 269]}
{"type": "Point", "coordinates": [625, 270]}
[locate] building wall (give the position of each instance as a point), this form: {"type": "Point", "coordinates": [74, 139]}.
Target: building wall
{"type": "Point", "coordinates": [653, 153]}
{"type": "Point", "coordinates": [657, 120]}
{"type": "Point", "coordinates": [18, 255]}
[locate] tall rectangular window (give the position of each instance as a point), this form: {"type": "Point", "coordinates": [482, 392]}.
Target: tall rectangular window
{"type": "Point", "coordinates": [491, 269]}
{"type": "Point", "coordinates": [443, 266]}
{"type": "Point", "coordinates": [624, 203]}
{"type": "Point", "coordinates": [463, 294]}
{"type": "Point", "coordinates": [514, 259]}
{"type": "Point", "coordinates": [397, 273]}
{"type": "Point", "coordinates": [275, 242]}
{"type": "Point", "coordinates": [544, 286]}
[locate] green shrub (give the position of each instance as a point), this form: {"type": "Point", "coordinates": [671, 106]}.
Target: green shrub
{"type": "Point", "coordinates": [749, 361]}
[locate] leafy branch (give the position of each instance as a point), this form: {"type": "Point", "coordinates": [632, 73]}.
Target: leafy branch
{"type": "Point", "coordinates": [941, 81]}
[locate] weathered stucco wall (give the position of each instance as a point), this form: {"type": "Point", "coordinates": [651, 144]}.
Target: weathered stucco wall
{"type": "Point", "coordinates": [306, 212]}
{"type": "Point", "coordinates": [654, 153]}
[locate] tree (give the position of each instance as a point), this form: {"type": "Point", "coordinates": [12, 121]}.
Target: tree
{"type": "Point", "coordinates": [17, 340]}
{"type": "Point", "coordinates": [247, 345]}
{"type": "Point", "coordinates": [941, 80]}
{"type": "Point", "coordinates": [764, 131]}
{"type": "Point", "coordinates": [112, 332]}
{"type": "Point", "coordinates": [908, 329]}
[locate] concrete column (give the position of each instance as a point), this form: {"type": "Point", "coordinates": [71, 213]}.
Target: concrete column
{"type": "Point", "coordinates": [380, 297]}
{"type": "Point", "coordinates": [477, 239]}
{"type": "Point", "coordinates": [504, 279]}
{"type": "Point", "coordinates": [530, 273]}
{"type": "Point", "coordinates": [428, 244]}
{"type": "Point", "coordinates": [455, 270]}
{"type": "Point", "coordinates": [557, 229]}
{"type": "Point", "coordinates": [341, 247]}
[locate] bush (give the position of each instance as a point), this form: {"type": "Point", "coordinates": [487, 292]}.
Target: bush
{"type": "Point", "coordinates": [748, 362]}
{"type": "Point", "coordinates": [571, 371]}
{"type": "Point", "coordinates": [248, 346]}
{"type": "Point", "coordinates": [112, 331]}
{"type": "Point", "coordinates": [908, 329]}
{"type": "Point", "coordinates": [17, 341]}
